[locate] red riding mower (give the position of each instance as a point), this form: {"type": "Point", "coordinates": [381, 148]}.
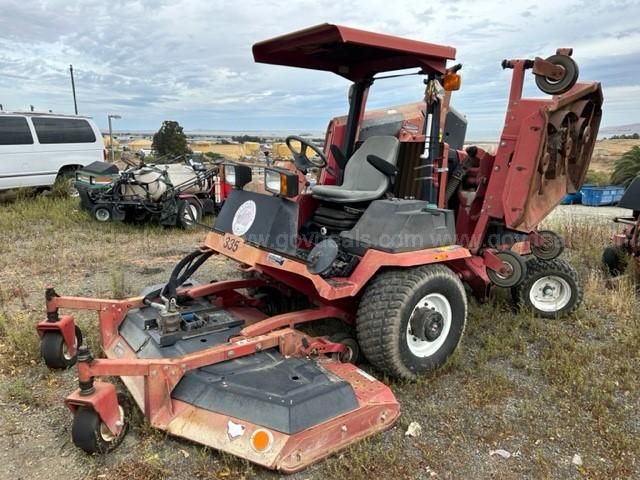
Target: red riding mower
{"type": "Point", "coordinates": [626, 244]}
{"type": "Point", "coordinates": [398, 223]}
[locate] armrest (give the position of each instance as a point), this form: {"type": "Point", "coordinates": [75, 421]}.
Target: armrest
{"type": "Point", "coordinates": [382, 165]}
{"type": "Point", "coordinates": [339, 157]}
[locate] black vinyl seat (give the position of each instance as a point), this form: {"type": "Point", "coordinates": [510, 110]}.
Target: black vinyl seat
{"type": "Point", "coordinates": [362, 182]}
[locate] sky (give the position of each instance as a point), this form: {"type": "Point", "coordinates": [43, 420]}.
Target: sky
{"type": "Point", "coordinates": [191, 61]}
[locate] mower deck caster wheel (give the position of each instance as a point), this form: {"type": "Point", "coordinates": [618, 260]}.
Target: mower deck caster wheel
{"type": "Point", "coordinates": [516, 266]}
{"type": "Point", "coordinates": [550, 289]}
{"type": "Point", "coordinates": [54, 351]}
{"type": "Point", "coordinates": [91, 435]}
{"type": "Point", "coordinates": [352, 355]}
{"type": "Point", "coordinates": [552, 247]}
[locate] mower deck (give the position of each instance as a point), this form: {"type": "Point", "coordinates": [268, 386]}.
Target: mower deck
{"type": "Point", "coordinates": [209, 384]}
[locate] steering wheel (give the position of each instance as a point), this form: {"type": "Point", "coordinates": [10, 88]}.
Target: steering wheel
{"type": "Point", "coordinates": [300, 158]}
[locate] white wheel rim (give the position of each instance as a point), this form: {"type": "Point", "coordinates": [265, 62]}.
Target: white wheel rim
{"type": "Point", "coordinates": [106, 435]}
{"type": "Point", "coordinates": [102, 214]}
{"type": "Point", "coordinates": [550, 294]}
{"type": "Point", "coordinates": [190, 214]}
{"type": "Point", "coordinates": [426, 348]}
{"type": "Point", "coordinates": [65, 350]}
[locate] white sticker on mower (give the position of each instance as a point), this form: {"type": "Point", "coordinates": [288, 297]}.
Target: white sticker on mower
{"type": "Point", "coordinates": [244, 218]}
{"type": "Point", "coordinates": [234, 430]}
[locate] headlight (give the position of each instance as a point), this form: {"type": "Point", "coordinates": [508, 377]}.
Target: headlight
{"type": "Point", "coordinates": [281, 182]}
{"type": "Point", "coordinates": [236, 175]}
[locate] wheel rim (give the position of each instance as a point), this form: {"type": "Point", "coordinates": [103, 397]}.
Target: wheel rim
{"type": "Point", "coordinates": [424, 348]}
{"type": "Point", "coordinates": [106, 435]}
{"type": "Point", "coordinates": [550, 294]}
{"type": "Point", "coordinates": [102, 215]}
{"type": "Point", "coordinates": [73, 191]}
{"type": "Point", "coordinates": [190, 214]}
{"type": "Point", "coordinates": [65, 351]}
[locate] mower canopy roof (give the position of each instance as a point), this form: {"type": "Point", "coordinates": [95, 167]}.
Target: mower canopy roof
{"type": "Point", "coordinates": [351, 53]}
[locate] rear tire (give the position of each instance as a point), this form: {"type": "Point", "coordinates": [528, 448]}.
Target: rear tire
{"type": "Point", "coordinates": [613, 259]}
{"type": "Point", "coordinates": [392, 305]}
{"type": "Point", "coordinates": [65, 182]}
{"type": "Point", "coordinates": [550, 289]}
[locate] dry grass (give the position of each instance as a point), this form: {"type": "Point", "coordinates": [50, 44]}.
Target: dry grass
{"type": "Point", "coordinates": [547, 389]}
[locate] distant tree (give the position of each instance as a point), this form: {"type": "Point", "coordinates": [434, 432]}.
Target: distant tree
{"type": "Point", "coordinates": [247, 138]}
{"type": "Point", "coordinates": [170, 140]}
{"type": "Point", "coordinates": [627, 167]}
{"type": "Point", "coordinates": [633, 136]}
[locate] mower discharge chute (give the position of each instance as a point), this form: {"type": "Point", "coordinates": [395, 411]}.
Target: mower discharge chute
{"type": "Point", "coordinates": [384, 242]}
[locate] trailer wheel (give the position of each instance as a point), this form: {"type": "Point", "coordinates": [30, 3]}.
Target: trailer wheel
{"type": "Point", "coordinates": [552, 247]}
{"type": "Point", "coordinates": [568, 80]}
{"type": "Point", "coordinates": [614, 259]}
{"type": "Point", "coordinates": [102, 214]}
{"type": "Point", "coordinates": [54, 352]}
{"type": "Point", "coordinates": [550, 289]}
{"type": "Point", "coordinates": [93, 436]}
{"type": "Point", "coordinates": [410, 321]}
{"type": "Point", "coordinates": [189, 213]}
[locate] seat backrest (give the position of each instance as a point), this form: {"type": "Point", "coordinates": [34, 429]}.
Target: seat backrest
{"type": "Point", "coordinates": [362, 176]}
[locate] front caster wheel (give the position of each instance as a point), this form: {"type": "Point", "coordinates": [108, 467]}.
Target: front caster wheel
{"type": "Point", "coordinates": [91, 435]}
{"type": "Point", "coordinates": [411, 320]}
{"type": "Point", "coordinates": [550, 289]}
{"type": "Point", "coordinates": [54, 351]}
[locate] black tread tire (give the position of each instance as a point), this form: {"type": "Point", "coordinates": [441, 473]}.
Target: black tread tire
{"type": "Point", "coordinates": [385, 309]}
{"type": "Point", "coordinates": [182, 206]}
{"type": "Point", "coordinates": [68, 174]}
{"type": "Point", "coordinates": [563, 85]}
{"type": "Point", "coordinates": [52, 348]}
{"type": "Point", "coordinates": [550, 250]}
{"type": "Point", "coordinates": [612, 257]}
{"type": "Point", "coordinates": [537, 269]}
{"type": "Point", "coordinates": [85, 432]}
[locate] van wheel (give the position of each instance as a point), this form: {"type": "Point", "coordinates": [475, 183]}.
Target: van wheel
{"type": "Point", "coordinates": [65, 184]}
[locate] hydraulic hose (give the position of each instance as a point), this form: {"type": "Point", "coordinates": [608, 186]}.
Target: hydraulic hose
{"type": "Point", "coordinates": [183, 270]}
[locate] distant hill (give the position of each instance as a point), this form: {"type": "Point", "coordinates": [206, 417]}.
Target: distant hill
{"type": "Point", "coordinates": [619, 130]}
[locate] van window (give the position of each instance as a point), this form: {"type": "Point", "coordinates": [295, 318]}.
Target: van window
{"type": "Point", "coordinates": [63, 130]}
{"type": "Point", "coordinates": [15, 131]}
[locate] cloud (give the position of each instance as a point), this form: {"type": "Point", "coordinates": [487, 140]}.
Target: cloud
{"type": "Point", "coordinates": [191, 60]}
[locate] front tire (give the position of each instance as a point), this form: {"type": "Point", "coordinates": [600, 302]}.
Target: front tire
{"type": "Point", "coordinates": [410, 321]}
{"type": "Point", "coordinates": [550, 289]}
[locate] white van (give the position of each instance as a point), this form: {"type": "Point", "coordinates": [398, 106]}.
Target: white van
{"type": "Point", "coordinates": [36, 149]}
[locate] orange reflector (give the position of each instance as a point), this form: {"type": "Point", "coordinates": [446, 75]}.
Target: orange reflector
{"type": "Point", "coordinates": [261, 440]}
{"type": "Point", "coordinates": [283, 185]}
{"type": "Point", "coordinates": [451, 81]}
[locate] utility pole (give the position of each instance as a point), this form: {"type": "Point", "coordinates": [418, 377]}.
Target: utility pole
{"type": "Point", "coordinates": [73, 88]}
{"type": "Point", "coordinates": [111, 135]}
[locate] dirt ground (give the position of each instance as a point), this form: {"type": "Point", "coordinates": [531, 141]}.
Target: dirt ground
{"type": "Point", "coordinates": [560, 397]}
